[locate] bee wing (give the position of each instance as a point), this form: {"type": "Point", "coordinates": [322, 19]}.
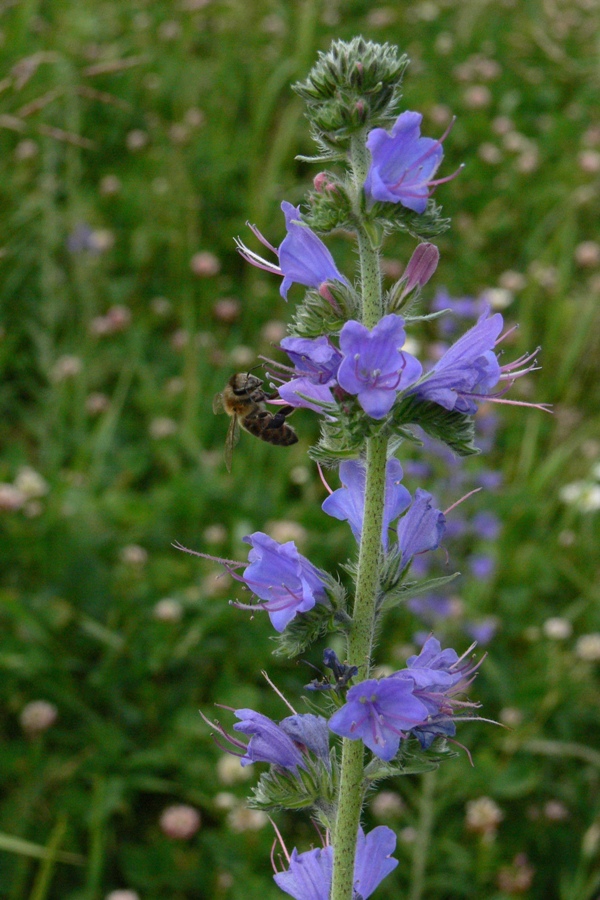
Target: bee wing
{"type": "Point", "coordinates": [233, 436]}
{"type": "Point", "coordinates": [218, 403]}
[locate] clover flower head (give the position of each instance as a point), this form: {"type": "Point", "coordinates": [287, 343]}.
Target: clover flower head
{"type": "Point", "coordinates": [374, 366]}
{"type": "Point", "coordinates": [403, 163]}
{"type": "Point", "coordinates": [348, 502]}
{"type": "Point", "coordinates": [309, 874]}
{"type": "Point", "coordinates": [303, 257]}
{"type": "Point", "coordinates": [380, 713]}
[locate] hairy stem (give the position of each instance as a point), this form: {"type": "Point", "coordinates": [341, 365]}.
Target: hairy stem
{"type": "Point", "coordinates": [351, 793]}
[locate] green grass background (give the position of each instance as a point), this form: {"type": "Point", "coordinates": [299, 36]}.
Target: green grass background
{"type": "Point", "coordinates": [164, 127]}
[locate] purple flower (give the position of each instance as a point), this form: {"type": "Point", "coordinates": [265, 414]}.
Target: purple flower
{"type": "Point", "coordinates": [309, 874]}
{"type": "Point", "coordinates": [283, 744]}
{"type": "Point", "coordinates": [482, 565]}
{"type": "Point", "coordinates": [316, 362]}
{"type": "Point", "coordinates": [486, 525]}
{"type": "Point", "coordinates": [348, 502]}
{"type": "Point", "coordinates": [379, 713]}
{"type": "Point", "coordinates": [268, 742]}
{"type": "Point", "coordinates": [374, 367]}
{"type": "Point", "coordinates": [433, 609]}
{"type": "Point", "coordinates": [437, 675]}
{"type": "Point", "coordinates": [287, 582]}
{"type": "Point", "coordinates": [468, 371]}
{"type": "Point", "coordinates": [421, 529]}
{"type": "Point", "coordinates": [482, 630]}
{"type": "Point", "coordinates": [463, 307]}
{"type": "Point", "coordinates": [403, 163]}
{"type": "Point", "coordinates": [303, 257]}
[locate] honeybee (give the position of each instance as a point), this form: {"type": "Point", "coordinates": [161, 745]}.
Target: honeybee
{"type": "Point", "coordinates": [243, 399]}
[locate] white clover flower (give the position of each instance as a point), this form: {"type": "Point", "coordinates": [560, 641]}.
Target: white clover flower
{"type": "Point", "coordinates": [483, 816]}
{"type": "Point", "coordinates": [588, 647]}
{"type": "Point", "coordinates": [38, 716]}
{"type": "Point", "coordinates": [168, 610]}
{"type": "Point", "coordinates": [230, 771]}
{"type": "Point", "coordinates": [180, 822]}
{"type": "Point", "coordinates": [31, 483]}
{"type": "Point", "coordinates": [122, 894]}
{"type": "Point", "coordinates": [557, 628]}
{"type": "Point", "coordinates": [244, 819]}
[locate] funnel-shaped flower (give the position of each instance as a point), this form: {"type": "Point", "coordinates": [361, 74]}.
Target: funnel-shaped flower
{"type": "Point", "coordinates": [379, 713]}
{"type": "Point", "coordinates": [403, 163]}
{"type": "Point", "coordinates": [421, 529]}
{"type": "Point", "coordinates": [469, 370]}
{"type": "Point", "coordinates": [374, 366]}
{"type": "Point", "coordinates": [437, 676]}
{"type": "Point", "coordinates": [287, 582]}
{"type": "Point", "coordinates": [316, 362]}
{"type": "Point", "coordinates": [309, 874]}
{"type": "Point", "coordinates": [283, 745]}
{"type": "Point", "coordinates": [348, 502]}
{"type": "Point", "coordinates": [303, 257]}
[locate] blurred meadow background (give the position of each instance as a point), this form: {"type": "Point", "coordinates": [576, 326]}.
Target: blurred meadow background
{"type": "Point", "coordinates": [136, 141]}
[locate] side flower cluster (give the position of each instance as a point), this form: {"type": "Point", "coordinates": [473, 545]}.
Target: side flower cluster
{"type": "Point", "coordinates": [418, 700]}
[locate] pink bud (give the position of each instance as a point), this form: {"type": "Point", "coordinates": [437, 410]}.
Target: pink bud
{"type": "Point", "coordinates": [326, 294]}
{"type": "Point", "coordinates": [421, 266]}
{"type": "Point", "coordinates": [320, 181]}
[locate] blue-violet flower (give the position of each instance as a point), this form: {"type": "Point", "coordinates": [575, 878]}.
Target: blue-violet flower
{"type": "Point", "coordinates": [348, 502]}
{"type": "Point", "coordinates": [284, 579]}
{"type": "Point", "coordinates": [421, 528]}
{"type": "Point", "coordinates": [403, 163]}
{"type": "Point", "coordinates": [374, 366]}
{"type": "Point", "coordinates": [379, 713]}
{"type": "Point", "coordinates": [437, 676]}
{"type": "Point", "coordinates": [282, 745]}
{"type": "Point", "coordinates": [316, 362]}
{"type": "Point", "coordinates": [303, 257]}
{"type": "Point", "coordinates": [309, 874]}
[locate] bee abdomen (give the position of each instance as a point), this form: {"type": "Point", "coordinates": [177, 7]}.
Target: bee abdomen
{"type": "Point", "coordinates": [270, 428]}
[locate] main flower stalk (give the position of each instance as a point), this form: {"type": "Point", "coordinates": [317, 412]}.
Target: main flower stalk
{"type": "Point", "coordinates": [351, 792]}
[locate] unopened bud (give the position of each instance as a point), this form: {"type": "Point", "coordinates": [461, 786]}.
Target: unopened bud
{"type": "Point", "coordinates": [320, 182]}
{"type": "Point", "coordinates": [421, 266]}
{"type": "Point", "coordinates": [325, 293]}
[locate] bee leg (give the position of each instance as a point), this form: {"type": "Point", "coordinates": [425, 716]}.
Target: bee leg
{"type": "Point", "coordinates": [279, 417]}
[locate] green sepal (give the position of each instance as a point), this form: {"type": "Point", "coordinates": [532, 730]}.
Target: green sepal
{"type": "Point", "coordinates": [316, 787]}
{"type": "Point", "coordinates": [411, 760]}
{"type": "Point", "coordinates": [393, 217]}
{"type": "Point", "coordinates": [406, 590]}
{"type": "Point", "coordinates": [408, 319]}
{"type": "Point", "coordinates": [344, 437]}
{"type": "Point", "coordinates": [375, 233]}
{"type": "Point", "coordinates": [325, 156]}
{"type": "Point", "coordinates": [353, 87]}
{"type": "Point", "coordinates": [330, 208]}
{"type": "Point", "coordinates": [455, 429]}
{"type": "Point", "coordinates": [322, 619]}
{"type": "Point", "coordinates": [316, 316]}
